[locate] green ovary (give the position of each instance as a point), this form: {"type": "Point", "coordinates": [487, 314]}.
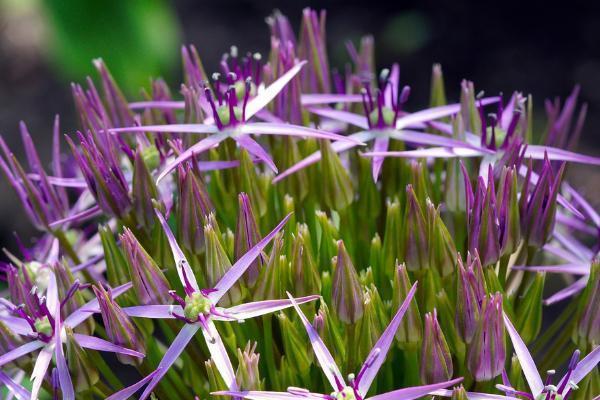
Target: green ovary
{"type": "Point", "coordinates": [388, 116]}
{"type": "Point", "coordinates": [42, 325]}
{"type": "Point", "coordinates": [196, 304]}
{"type": "Point", "coordinates": [225, 116]}
{"type": "Point", "coordinates": [346, 393]}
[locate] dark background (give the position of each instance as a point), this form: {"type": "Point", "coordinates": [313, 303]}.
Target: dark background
{"type": "Point", "coordinates": [537, 48]}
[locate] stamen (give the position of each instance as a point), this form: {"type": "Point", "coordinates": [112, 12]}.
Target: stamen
{"type": "Point", "coordinates": [177, 298]}
{"type": "Point", "coordinates": [188, 286]}
{"type": "Point", "coordinates": [210, 100]}
{"type": "Point", "coordinates": [248, 87]}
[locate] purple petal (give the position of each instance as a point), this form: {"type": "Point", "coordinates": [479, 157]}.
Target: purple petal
{"type": "Point", "coordinates": [567, 292]}
{"type": "Point", "coordinates": [257, 308]}
{"type": "Point", "coordinates": [327, 98]}
{"type": "Point", "coordinates": [555, 154]}
{"type": "Point", "coordinates": [19, 391]}
{"type": "Point", "coordinates": [430, 140]}
{"type": "Point", "coordinates": [338, 147]}
{"type": "Point", "coordinates": [52, 301]}
{"type": "Point", "coordinates": [586, 365]}
{"type": "Point", "coordinates": [64, 378]}
{"type": "Point", "coordinates": [326, 361]}
{"type": "Point", "coordinates": [88, 263]}
{"type": "Point", "coordinates": [217, 165]}
{"type": "Point", "coordinates": [62, 182]}
{"type": "Point", "coordinates": [380, 145]}
{"type": "Point", "coordinates": [173, 128]}
{"type": "Point", "coordinates": [173, 352]}
{"type": "Point", "coordinates": [85, 311]}
{"type": "Point", "coordinates": [246, 142]}
{"type": "Point", "coordinates": [573, 245]}
{"type": "Point", "coordinates": [267, 128]}
{"type": "Point", "coordinates": [431, 152]}
{"type": "Point", "coordinates": [391, 90]}
{"type": "Point", "coordinates": [197, 148]}
{"type": "Point", "coordinates": [94, 343]}
{"type": "Point", "coordinates": [589, 210]}
{"type": "Point", "coordinates": [161, 104]}
{"type": "Point", "coordinates": [575, 269]}
{"type": "Point", "coordinates": [17, 325]}
{"type": "Point", "coordinates": [527, 364]}
{"type": "Point", "coordinates": [20, 351]}
{"type": "Point", "coordinates": [258, 395]}
{"type": "Point", "coordinates": [237, 270]}
{"type": "Point", "coordinates": [562, 253]}
{"type": "Point", "coordinates": [575, 223]}
{"type": "Point", "coordinates": [344, 116]}
{"type": "Point", "coordinates": [181, 262]}
{"type": "Point", "coordinates": [265, 96]}
{"type": "Point", "coordinates": [379, 352]}
{"type": "Point", "coordinates": [79, 217]}
{"type": "Point", "coordinates": [129, 391]}
{"type": "Point", "coordinates": [473, 395]}
{"type": "Point", "coordinates": [39, 370]}
{"type": "Point", "coordinates": [153, 311]}
{"type": "Point", "coordinates": [414, 392]}
{"type": "Point", "coordinates": [435, 113]}
{"type": "Point", "coordinates": [219, 355]}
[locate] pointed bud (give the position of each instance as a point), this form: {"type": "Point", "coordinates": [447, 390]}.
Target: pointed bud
{"type": "Point", "coordinates": [588, 328]}
{"type": "Point", "coordinates": [410, 331]}
{"type": "Point", "coordinates": [118, 108]}
{"type": "Point", "coordinates": [336, 183]}
{"type": "Point", "coordinates": [438, 93]}
{"type": "Point", "coordinates": [508, 214]}
{"type": "Point", "coordinates": [294, 344]}
{"type": "Point", "coordinates": [448, 325]}
{"type": "Point", "coordinates": [143, 190]}
{"type": "Point", "coordinates": [305, 274]}
{"type": "Point", "coordinates": [347, 293]}
{"type": "Point", "coordinates": [113, 257]}
{"type": "Point", "coordinates": [416, 248]}
{"type": "Point", "coordinates": [119, 328]}
{"type": "Point", "coordinates": [193, 208]}
{"type": "Point", "coordinates": [217, 264]}
{"type": "Point", "coordinates": [528, 311]}
{"type": "Point", "coordinates": [251, 184]}
{"type": "Point", "coordinates": [442, 251]}
{"type": "Point", "coordinates": [273, 278]}
{"type": "Point", "coordinates": [467, 302]}
{"type": "Point", "coordinates": [83, 372]}
{"type": "Point", "coordinates": [149, 282]}
{"type": "Point", "coordinates": [67, 287]}
{"type": "Point", "coordinates": [330, 332]}
{"type": "Point", "coordinates": [370, 326]}
{"type": "Point", "coordinates": [487, 352]}
{"type": "Point", "coordinates": [438, 367]}
{"type": "Point", "coordinates": [329, 237]}
{"type": "Point", "coordinates": [392, 238]}
{"type": "Point", "coordinates": [246, 236]}
{"type": "Point", "coordinates": [215, 380]}
{"type": "Point", "coordinates": [312, 47]}
{"type": "Point", "coordinates": [459, 393]}
{"type": "Point", "coordinates": [247, 375]}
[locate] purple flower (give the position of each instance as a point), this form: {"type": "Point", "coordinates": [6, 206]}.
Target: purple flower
{"type": "Point", "coordinates": [358, 385]}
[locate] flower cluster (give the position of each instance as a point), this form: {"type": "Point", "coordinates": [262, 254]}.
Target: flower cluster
{"type": "Point", "coordinates": [282, 230]}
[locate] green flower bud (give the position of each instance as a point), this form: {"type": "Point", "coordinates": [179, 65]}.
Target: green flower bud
{"type": "Point", "coordinates": [143, 190]}
{"type": "Point", "coordinates": [337, 185]}
{"type": "Point", "coordinates": [295, 345]}
{"type": "Point", "coordinates": [273, 278]}
{"type": "Point", "coordinates": [248, 374]}
{"type": "Point", "coordinates": [438, 93]}
{"type": "Point", "coordinates": [410, 332]}
{"type": "Point", "coordinates": [82, 369]}
{"type": "Point", "coordinates": [528, 311]}
{"type": "Point", "coordinates": [588, 327]}
{"type": "Point", "coordinates": [217, 264]}
{"type": "Point", "coordinates": [436, 364]}
{"type": "Point", "coordinates": [347, 293]}
{"type": "Point", "coordinates": [415, 244]}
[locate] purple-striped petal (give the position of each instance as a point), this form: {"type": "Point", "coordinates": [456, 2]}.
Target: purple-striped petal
{"type": "Point", "coordinates": [173, 128]}
{"type": "Point", "coordinates": [265, 96]}
{"type": "Point", "coordinates": [79, 217]}
{"type": "Point", "coordinates": [527, 364]}
{"type": "Point", "coordinates": [129, 391]}
{"type": "Point", "coordinates": [258, 395]}
{"type": "Point", "coordinates": [64, 378]}
{"type": "Point", "coordinates": [257, 308]}
{"type": "Point", "coordinates": [327, 98]}
{"type": "Point", "coordinates": [567, 292]}
{"type": "Point", "coordinates": [17, 325]}
{"type": "Point", "coordinates": [267, 128]}
{"type": "Point", "coordinates": [380, 146]}
{"type": "Point", "coordinates": [39, 370]}
{"type": "Point", "coordinates": [88, 263]}
{"type": "Point", "coordinates": [154, 311]}
{"type": "Point", "coordinates": [431, 152]}
{"type": "Point", "coordinates": [339, 115]}
{"type": "Point", "coordinates": [326, 361]}
{"type": "Point", "coordinates": [338, 147]}
{"type": "Point", "coordinates": [575, 223]}
{"type": "Point", "coordinates": [173, 352]}
{"type": "Point", "coordinates": [379, 352]}
{"type": "Point", "coordinates": [586, 365]}
{"type": "Point", "coordinates": [414, 392]}
{"type": "Point", "coordinates": [160, 104]}
{"type": "Point", "coordinates": [473, 395]}
{"type": "Point", "coordinates": [574, 245]}
{"type": "Point", "coordinates": [197, 148]}
{"type": "Point", "coordinates": [587, 207]}
{"type": "Point", "coordinates": [564, 254]}
{"type": "Point", "coordinates": [94, 343]}
{"type": "Point", "coordinates": [78, 183]}
{"type": "Point", "coordinates": [13, 387]}
{"type": "Point", "coordinates": [85, 311]}
{"type": "Point", "coordinates": [428, 139]}
{"type": "Point", "coordinates": [554, 154]}
{"type": "Point", "coordinates": [575, 269]}
{"type": "Point", "coordinates": [184, 271]}
{"type": "Point", "coordinates": [217, 165]}
{"type": "Point", "coordinates": [250, 145]}
{"type": "Point", "coordinates": [52, 301]}
{"type": "Point", "coordinates": [219, 355]}
{"type": "Point", "coordinates": [237, 270]}
{"type": "Point", "coordinates": [20, 351]}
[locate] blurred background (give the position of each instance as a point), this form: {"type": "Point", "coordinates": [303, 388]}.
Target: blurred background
{"type": "Point", "coordinates": [537, 48]}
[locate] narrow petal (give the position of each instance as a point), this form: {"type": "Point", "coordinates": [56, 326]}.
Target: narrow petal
{"type": "Point", "coordinates": [94, 343]}
{"type": "Point", "coordinates": [154, 311]}
{"type": "Point", "coordinates": [85, 311]}
{"type": "Point", "coordinates": [267, 128]}
{"type": "Point", "coordinates": [62, 182]}
{"type": "Point", "coordinates": [380, 145]}
{"type": "Point", "coordinates": [258, 395]}
{"type": "Point", "coordinates": [17, 325]}
{"type": "Point", "coordinates": [84, 215]}
{"type": "Point", "coordinates": [160, 104]}
{"type": "Point", "coordinates": [237, 270]}
{"type": "Point", "coordinates": [435, 113]}
{"type": "Point", "coordinates": [326, 361]}
{"type": "Point", "coordinates": [217, 165]}
{"type": "Point", "coordinates": [64, 378]}
{"type": "Point", "coordinates": [564, 254]}
{"type": "Point", "coordinates": [39, 370]}
{"type": "Point", "coordinates": [392, 89]}
{"type": "Point", "coordinates": [567, 292]}
{"type": "Point", "coordinates": [344, 116]}
{"type": "Point", "coordinates": [52, 301]}
{"type": "Point", "coordinates": [246, 142]}
{"type": "Point", "coordinates": [431, 152]}
{"type": "Point", "coordinates": [379, 352]}
{"type": "Point", "coordinates": [197, 148]}
{"type": "Point", "coordinates": [338, 147]}
{"type": "Point", "coordinates": [428, 139]}
{"type": "Point", "coordinates": [20, 351]}
{"type": "Point", "coordinates": [129, 391]}
{"type": "Point", "coordinates": [527, 364]}
{"type": "Point", "coordinates": [88, 263]}
{"type": "Point", "coordinates": [268, 94]}
{"type": "Point", "coordinates": [554, 154]}
{"type": "Point", "coordinates": [174, 128]}
{"type": "Point", "coordinates": [219, 355]}
{"type": "Point", "coordinates": [181, 262]}
{"type": "Point", "coordinates": [414, 392]}
{"type": "Point", "coordinates": [257, 308]}
{"type": "Point", "coordinates": [327, 98]}
{"type": "Point", "coordinates": [173, 352]}
{"type": "Point", "coordinates": [17, 390]}
{"type": "Point", "coordinates": [587, 207]}
{"type": "Point", "coordinates": [472, 395]}
{"type": "Point", "coordinates": [575, 269]}
{"type": "Point", "coordinates": [586, 365]}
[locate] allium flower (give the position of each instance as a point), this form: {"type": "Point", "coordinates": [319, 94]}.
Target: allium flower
{"type": "Point", "coordinates": [358, 385]}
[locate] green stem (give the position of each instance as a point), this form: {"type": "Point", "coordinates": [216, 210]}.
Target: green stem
{"type": "Point", "coordinates": [268, 348]}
